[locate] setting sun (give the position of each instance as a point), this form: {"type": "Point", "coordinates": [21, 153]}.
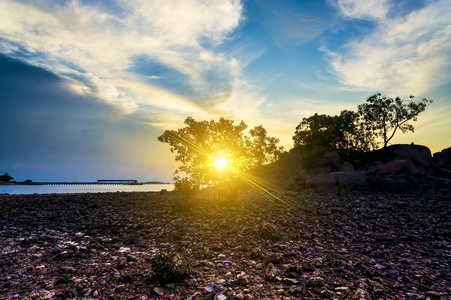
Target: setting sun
{"type": "Point", "coordinates": [221, 163]}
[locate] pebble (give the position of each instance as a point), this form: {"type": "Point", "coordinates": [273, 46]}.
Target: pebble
{"type": "Point", "coordinates": [213, 287]}
{"type": "Point", "coordinates": [379, 266]}
{"type": "Point", "coordinates": [220, 297]}
{"type": "Point", "coordinates": [290, 281]}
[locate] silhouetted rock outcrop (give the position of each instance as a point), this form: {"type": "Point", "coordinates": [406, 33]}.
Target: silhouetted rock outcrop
{"type": "Point", "coordinates": [414, 159]}
{"type": "Point", "coordinates": [443, 158]}
{"type": "Point", "coordinates": [442, 163]}
{"type": "Point", "coordinates": [397, 168]}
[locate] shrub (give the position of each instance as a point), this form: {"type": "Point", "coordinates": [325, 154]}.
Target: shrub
{"type": "Point", "coordinates": [268, 231]}
{"type": "Point", "coordinates": [171, 267]}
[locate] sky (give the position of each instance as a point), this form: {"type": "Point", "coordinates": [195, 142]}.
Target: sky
{"type": "Point", "coordinates": [87, 86]}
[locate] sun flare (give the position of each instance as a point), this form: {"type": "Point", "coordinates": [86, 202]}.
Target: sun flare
{"type": "Point", "coordinates": [221, 163]}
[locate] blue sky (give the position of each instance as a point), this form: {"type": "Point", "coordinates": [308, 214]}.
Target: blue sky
{"type": "Point", "coordinates": [87, 86]}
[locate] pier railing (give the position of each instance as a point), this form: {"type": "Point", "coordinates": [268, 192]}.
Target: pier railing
{"type": "Point", "coordinates": [98, 182]}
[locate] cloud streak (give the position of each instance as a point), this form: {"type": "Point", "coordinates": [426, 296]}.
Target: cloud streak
{"type": "Point", "coordinates": [94, 48]}
{"type": "Point", "coordinates": [409, 54]}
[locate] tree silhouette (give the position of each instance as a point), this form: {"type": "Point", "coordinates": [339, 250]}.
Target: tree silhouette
{"type": "Point", "coordinates": [5, 178]}
{"type": "Point", "coordinates": [383, 116]}
{"type": "Point", "coordinates": [200, 144]}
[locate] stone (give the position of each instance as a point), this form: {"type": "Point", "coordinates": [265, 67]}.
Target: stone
{"type": "Point", "coordinates": [397, 166]}
{"type": "Point", "coordinates": [443, 158]}
{"type": "Point", "coordinates": [420, 159]}
{"type": "Point", "coordinates": [220, 297]}
{"type": "Point", "coordinates": [442, 172]}
{"type": "Point", "coordinates": [290, 281]}
{"type": "Point", "coordinates": [271, 272]}
{"type": "Point", "coordinates": [330, 160]}
{"type": "Point", "coordinates": [242, 280]}
{"type": "Point", "coordinates": [131, 258]}
{"type": "Point", "coordinates": [158, 291]}
{"type": "Point", "coordinates": [347, 167]}
{"type": "Point", "coordinates": [213, 287]}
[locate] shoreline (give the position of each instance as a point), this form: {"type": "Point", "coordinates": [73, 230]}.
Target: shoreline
{"type": "Point", "coordinates": [321, 245]}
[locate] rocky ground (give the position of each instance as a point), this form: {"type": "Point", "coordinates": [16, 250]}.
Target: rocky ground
{"type": "Point", "coordinates": [316, 245]}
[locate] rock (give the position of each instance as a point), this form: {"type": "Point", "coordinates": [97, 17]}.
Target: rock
{"type": "Point", "coordinates": [270, 272]}
{"type": "Point", "coordinates": [242, 280]}
{"type": "Point", "coordinates": [57, 249]}
{"type": "Point", "coordinates": [419, 156]}
{"type": "Point", "coordinates": [158, 291]}
{"type": "Point", "coordinates": [213, 287]}
{"type": "Point", "coordinates": [259, 266]}
{"type": "Point", "coordinates": [290, 281]}
{"type": "Point", "coordinates": [397, 166]}
{"type": "Point", "coordinates": [443, 158]}
{"type": "Point", "coordinates": [347, 167]}
{"type": "Point", "coordinates": [442, 172]}
{"type": "Point", "coordinates": [435, 294]}
{"type": "Point", "coordinates": [220, 297]}
{"type": "Point", "coordinates": [329, 162]}
{"type": "Point", "coordinates": [122, 262]}
{"type": "Point", "coordinates": [131, 258]}
{"type": "Point", "coordinates": [251, 263]}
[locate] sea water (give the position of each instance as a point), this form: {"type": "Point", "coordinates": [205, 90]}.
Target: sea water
{"type": "Point", "coordinates": [71, 189]}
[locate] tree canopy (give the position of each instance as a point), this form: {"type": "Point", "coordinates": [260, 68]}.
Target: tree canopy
{"type": "Point", "coordinates": [383, 116]}
{"type": "Point", "coordinates": [332, 132]}
{"type": "Point", "coordinates": [212, 152]}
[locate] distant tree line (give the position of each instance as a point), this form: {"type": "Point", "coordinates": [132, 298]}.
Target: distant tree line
{"type": "Point", "coordinates": [5, 178]}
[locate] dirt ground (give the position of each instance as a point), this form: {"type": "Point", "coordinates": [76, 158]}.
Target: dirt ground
{"type": "Point", "coordinates": [313, 246]}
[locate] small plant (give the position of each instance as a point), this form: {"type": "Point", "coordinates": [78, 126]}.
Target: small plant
{"type": "Point", "coordinates": [171, 267]}
{"type": "Point", "coordinates": [277, 258]}
{"type": "Point", "coordinates": [268, 231]}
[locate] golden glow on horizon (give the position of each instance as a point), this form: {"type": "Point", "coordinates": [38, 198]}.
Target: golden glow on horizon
{"type": "Point", "coordinates": [221, 163]}
{"type": "Point", "coordinates": [225, 160]}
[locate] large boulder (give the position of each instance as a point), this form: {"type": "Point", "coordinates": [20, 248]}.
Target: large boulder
{"type": "Point", "coordinates": [442, 163]}
{"type": "Point", "coordinates": [400, 168]}
{"type": "Point", "coordinates": [413, 159]}
{"type": "Point", "coordinates": [443, 158]}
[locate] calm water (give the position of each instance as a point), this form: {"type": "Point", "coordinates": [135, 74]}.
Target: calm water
{"type": "Point", "coordinates": [68, 189]}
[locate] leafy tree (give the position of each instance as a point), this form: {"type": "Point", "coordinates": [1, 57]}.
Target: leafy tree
{"type": "Point", "coordinates": [332, 132]}
{"type": "Point", "coordinates": [215, 152]}
{"type": "Point", "coordinates": [320, 133]}
{"type": "Point", "coordinates": [383, 116]}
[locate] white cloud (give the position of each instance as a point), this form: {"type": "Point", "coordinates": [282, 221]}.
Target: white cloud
{"type": "Point", "coordinates": [367, 9]}
{"type": "Point", "coordinates": [403, 55]}
{"type": "Point", "coordinates": [94, 49]}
